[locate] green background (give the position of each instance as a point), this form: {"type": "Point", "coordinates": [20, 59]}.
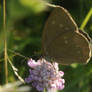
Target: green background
{"type": "Point", "coordinates": [25, 23]}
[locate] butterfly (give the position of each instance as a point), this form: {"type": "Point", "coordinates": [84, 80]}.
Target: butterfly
{"type": "Point", "coordinates": [62, 41]}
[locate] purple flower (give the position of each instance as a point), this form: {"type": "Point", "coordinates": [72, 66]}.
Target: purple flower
{"type": "Point", "coordinates": [44, 74]}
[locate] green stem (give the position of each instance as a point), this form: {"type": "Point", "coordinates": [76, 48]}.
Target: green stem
{"type": "Point", "coordinates": [44, 90]}
{"type": "Point", "coordinates": [88, 16]}
{"type": "Point", "coordinates": [5, 41]}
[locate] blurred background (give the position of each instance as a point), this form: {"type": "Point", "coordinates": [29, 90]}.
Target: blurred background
{"type": "Point", "coordinates": [25, 23]}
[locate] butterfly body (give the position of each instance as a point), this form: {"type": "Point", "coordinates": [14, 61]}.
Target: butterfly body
{"type": "Point", "coordinates": [62, 40]}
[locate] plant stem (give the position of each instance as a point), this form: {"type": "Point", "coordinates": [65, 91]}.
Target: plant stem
{"type": "Point", "coordinates": [44, 90]}
{"type": "Point", "coordinates": [5, 41]}
{"type": "Point", "coordinates": [88, 16]}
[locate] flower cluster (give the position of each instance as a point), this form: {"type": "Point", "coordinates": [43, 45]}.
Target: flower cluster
{"type": "Point", "coordinates": [45, 75]}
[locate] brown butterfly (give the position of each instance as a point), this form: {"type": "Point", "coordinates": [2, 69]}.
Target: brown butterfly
{"type": "Point", "coordinates": [62, 41]}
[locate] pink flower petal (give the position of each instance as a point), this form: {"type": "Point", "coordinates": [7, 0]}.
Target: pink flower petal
{"type": "Point", "coordinates": [61, 73]}
{"type": "Point", "coordinates": [55, 65]}
{"type": "Point", "coordinates": [53, 85]}
{"type": "Point", "coordinates": [32, 63]}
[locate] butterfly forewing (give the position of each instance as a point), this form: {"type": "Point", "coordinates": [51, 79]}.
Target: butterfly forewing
{"type": "Point", "coordinates": [62, 42]}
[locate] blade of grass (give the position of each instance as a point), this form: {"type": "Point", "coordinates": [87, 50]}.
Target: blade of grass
{"type": "Point", "coordinates": [18, 54]}
{"type": "Point", "coordinates": [85, 21]}
{"type": "Point", "coordinates": [15, 70]}
{"type": "Point", "coordinates": [5, 41]}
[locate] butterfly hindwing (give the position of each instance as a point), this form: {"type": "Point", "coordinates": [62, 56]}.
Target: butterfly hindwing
{"type": "Point", "coordinates": [62, 41]}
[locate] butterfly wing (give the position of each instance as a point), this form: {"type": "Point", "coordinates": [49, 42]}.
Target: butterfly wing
{"type": "Point", "coordinates": [62, 42]}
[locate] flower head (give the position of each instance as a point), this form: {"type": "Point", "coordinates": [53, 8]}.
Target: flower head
{"type": "Point", "coordinates": [44, 74]}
